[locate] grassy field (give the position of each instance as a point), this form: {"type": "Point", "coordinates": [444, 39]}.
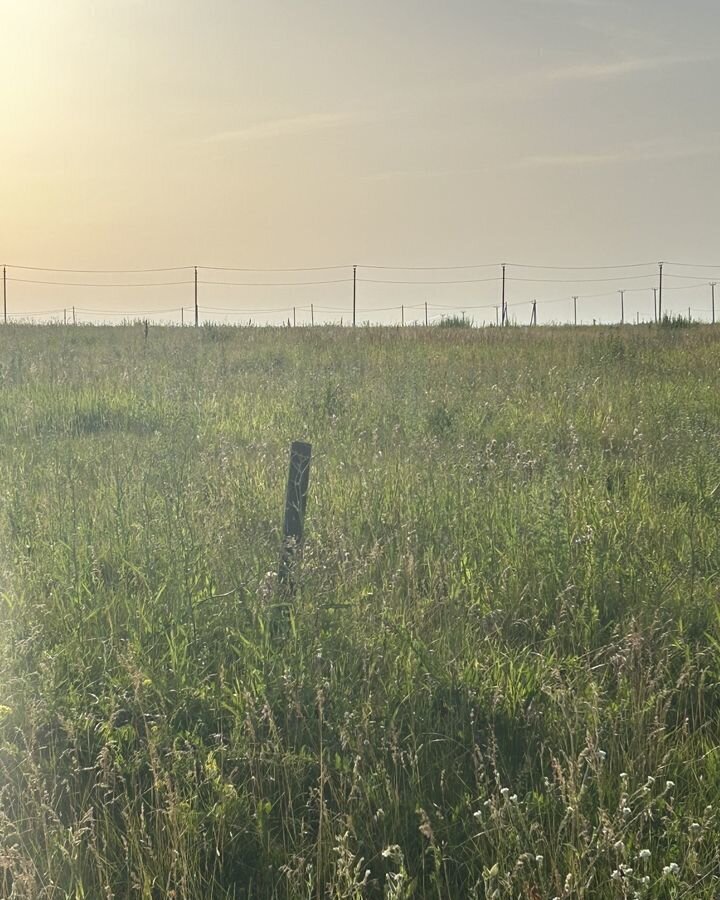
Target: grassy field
{"type": "Point", "coordinates": [500, 677]}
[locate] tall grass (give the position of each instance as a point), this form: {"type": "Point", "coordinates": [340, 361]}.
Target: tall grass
{"type": "Point", "coordinates": [500, 675]}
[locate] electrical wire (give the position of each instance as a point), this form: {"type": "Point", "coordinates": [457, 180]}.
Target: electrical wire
{"type": "Point", "coordinates": [427, 283]}
{"type": "Point", "coordinates": [260, 284]}
{"type": "Point", "coordinates": [92, 285]}
{"type": "Point", "coordinates": [99, 271]}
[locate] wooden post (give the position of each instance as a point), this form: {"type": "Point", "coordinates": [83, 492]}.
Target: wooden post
{"type": "Point", "coordinates": [660, 294]}
{"type": "Point", "coordinates": [293, 316]}
{"type": "Point", "coordinates": [504, 307]}
{"type": "Point", "coordinates": [402, 316]}
{"type": "Point", "coordinates": [312, 314]}
{"type": "Point", "coordinates": [295, 503]}
{"type": "Point", "coordinates": [197, 316]}
{"type": "Point", "coordinates": [622, 307]}
{"type": "Point", "coordinates": [575, 309]}
{"type": "Point", "coordinates": [426, 317]}
{"type": "Point", "coordinates": [4, 296]}
{"type": "Point", "coordinates": [182, 316]}
{"type": "Point", "coordinates": [712, 288]}
{"type": "Point", "coordinates": [74, 322]}
{"type": "Point", "coordinates": [65, 317]}
{"type": "Point", "coordinates": [354, 292]}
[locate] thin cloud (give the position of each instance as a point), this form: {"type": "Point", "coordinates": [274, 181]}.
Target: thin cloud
{"type": "Point", "coordinates": [647, 151]}
{"type": "Point", "coordinates": [278, 128]}
{"type": "Point", "coordinates": [601, 71]}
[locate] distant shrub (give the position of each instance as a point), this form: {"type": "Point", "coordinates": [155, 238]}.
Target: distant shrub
{"type": "Point", "coordinates": [454, 322]}
{"type": "Point", "coordinates": [678, 321]}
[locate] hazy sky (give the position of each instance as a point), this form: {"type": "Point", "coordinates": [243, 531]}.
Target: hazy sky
{"type": "Point", "coordinates": [280, 134]}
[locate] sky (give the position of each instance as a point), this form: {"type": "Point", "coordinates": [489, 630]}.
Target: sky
{"type": "Point", "coordinates": [277, 134]}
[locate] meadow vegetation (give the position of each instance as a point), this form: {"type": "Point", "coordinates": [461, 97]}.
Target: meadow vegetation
{"type": "Point", "coordinates": [500, 677]}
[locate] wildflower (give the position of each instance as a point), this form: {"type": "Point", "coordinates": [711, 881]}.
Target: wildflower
{"type": "Point", "coordinates": [539, 859]}
{"type": "Point", "coordinates": [645, 880]}
{"type": "Point", "coordinates": [505, 791]}
{"type": "Point", "coordinates": [695, 827]}
{"type": "Point", "coordinates": [513, 799]}
{"type": "Point", "coordinates": [626, 810]}
{"type": "Point", "coordinates": [671, 869]}
{"type": "Point", "coordinates": [645, 854]}
{"type": "Point", "coordinates": [619, 847]}
{"type": "Point", "coordinates": [602, 754]}
{"type": "Point", "coordinates": [669, 785]}
{"type": "Point", "coordinates": [477, 814]}
{"type": "Point", "coordinates": [650, 780]}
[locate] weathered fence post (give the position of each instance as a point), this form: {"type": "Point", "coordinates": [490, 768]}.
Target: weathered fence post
{"type": "Point", "coordinates": [295, 503]}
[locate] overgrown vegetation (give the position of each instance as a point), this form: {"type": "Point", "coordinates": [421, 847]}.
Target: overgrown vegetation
{"type": "Point", "coordinates": [500, 677]}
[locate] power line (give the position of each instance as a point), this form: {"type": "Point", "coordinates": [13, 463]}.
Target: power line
{"type": "Point", "coordinates": [107, 285]}
{"type": "Point", "coordinates": [583, 280]}
{"type": "Point", "coordinates": [99, 271]}
{"type": "Point", "coordinates": [274, 283]}
{"type": "Point", "coordinates": [427, 283]}
{"type": "Point", "coordinates": [433, 268]}
{"type": "Point", "coordinates": [582, 268]}
{"type": "Point", "coordinates": [299, 269]}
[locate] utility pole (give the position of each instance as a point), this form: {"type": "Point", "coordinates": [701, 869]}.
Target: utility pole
{"type": "Point", "coordinates": [426, 317]}
{"type": "Point", "coordinates": [65, 317]}
{"type": "Point", "coordinates": [293, 316]}
{"type": "Point", "coordinates": [197, 315]}
{"type": "Point", "coordinates": [182, 316]}
{"type": "Point", "coordinates": [4, 296]}
{"type": "Point", "coordinates": [312, 314]}
{"type": "Point", "coordinates": [575, 310]}
{"type": "Point", "coordinates": [622, 307]}
{"type": "Point", "coordinates": [354, 292]}
{"type": "Point", "coordinates": [660, 294]}
{"type": "Point", "coordinates": [712, 289]}
{"type": "Point", "coordinates": [402, 316]}
{"type": "Point", "coordinates": [533, 317]}
{"type": "Point", "coordinates": [504, 307]}
{"type": "Point", "coordinates": [74, 322]}
{"type": "Point", "coordinates": [655, 304]}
